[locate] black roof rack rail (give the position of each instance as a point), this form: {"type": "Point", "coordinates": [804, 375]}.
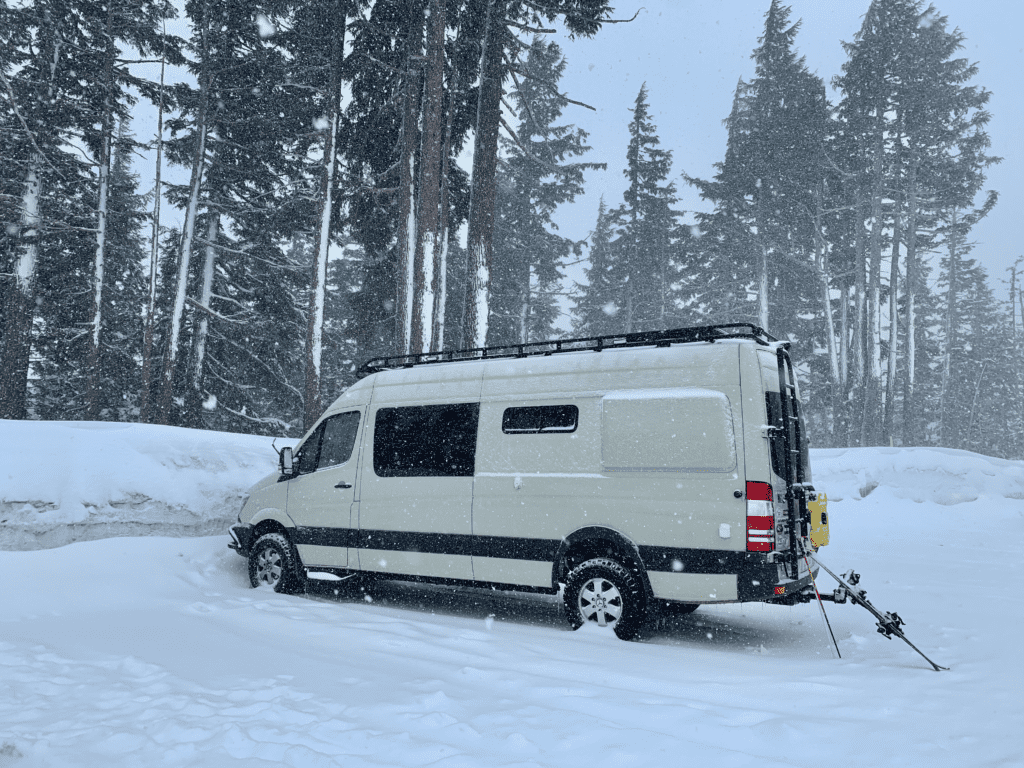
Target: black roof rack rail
{"type": "Point", "coordinates": [709, 333]}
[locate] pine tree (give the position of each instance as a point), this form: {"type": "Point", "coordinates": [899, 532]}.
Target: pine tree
{"type": "Point", "coordinates": [317, 42]}
{"type": "Point", "coordinates": [906, 116]}
{"type": "Point", "coordinates": [124, 289]}
{"type": "Point", "coordinates": [650, 247]}
{"type": "Point", "coordinates": [765, 192]}
{"type": "Point", "coordinates": [235, 131]}
{"type": "Point", "coordinates": [41, 173]}
{"type": "Point", "coordinates": [535, 178]}
{"type": "Point", "coordinates": [496, 21]}
{"type": "Point", "coordinates": [598, 302]}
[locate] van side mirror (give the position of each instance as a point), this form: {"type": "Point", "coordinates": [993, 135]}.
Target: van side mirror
{"type": "Point", "coordinates": [286, 464]}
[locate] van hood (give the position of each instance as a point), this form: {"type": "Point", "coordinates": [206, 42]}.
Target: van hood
{"type": "Point", "coordinates": [267, 481]}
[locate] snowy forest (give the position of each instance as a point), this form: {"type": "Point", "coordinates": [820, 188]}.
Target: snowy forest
{"type": "Point", "coordinates": [371, 178]}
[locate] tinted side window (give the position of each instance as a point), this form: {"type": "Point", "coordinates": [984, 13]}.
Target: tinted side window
{"type": "Point", "coordinates": [540, 418]}
{"type": "Point", "coordinates": [426, 441]}
{"type": "Point", "coordinates": [338, 440]}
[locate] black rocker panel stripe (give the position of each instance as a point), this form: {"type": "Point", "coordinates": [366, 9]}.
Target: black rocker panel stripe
{"type": "Point", "coordinates": [667, 559]}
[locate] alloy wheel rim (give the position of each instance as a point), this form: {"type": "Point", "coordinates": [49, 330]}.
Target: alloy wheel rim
{"type": "Point", "coordinates": [600, 601]}
{"type": "Point", "coordinates": [268, 567]}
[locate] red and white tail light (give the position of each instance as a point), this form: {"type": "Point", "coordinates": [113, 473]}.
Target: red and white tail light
{"type": "Point", "coordinates": [760, 518]}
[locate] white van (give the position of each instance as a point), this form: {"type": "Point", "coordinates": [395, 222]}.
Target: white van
{"type": "Point", "coordinates": [628, 471]}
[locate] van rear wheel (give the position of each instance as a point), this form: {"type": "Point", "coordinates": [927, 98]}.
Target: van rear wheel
{"type": "Point", "coordinates": [607, 593]}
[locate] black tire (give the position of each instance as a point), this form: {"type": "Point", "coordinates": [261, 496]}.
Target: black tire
{"type": "Point", "coordinates": [274, 563]}
{"type": "Point", "coordinates": [606, 592]}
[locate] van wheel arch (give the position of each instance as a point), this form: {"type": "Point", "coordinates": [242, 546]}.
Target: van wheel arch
{"type": "Point", "coordinates": [597, 541]}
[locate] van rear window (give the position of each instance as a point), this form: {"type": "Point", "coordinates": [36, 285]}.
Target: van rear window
{"type": "Point", "coordinates": [776, 440]}
{"type": "Point", "coordinates": [538, 419]}
{"type": "Point", "coordinates": [426, 441]}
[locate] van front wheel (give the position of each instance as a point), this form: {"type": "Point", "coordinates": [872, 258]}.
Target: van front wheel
{"type": "Point", "coordinates": [607, 593]}
{"type": "Point", "coordinates": [272, 563]}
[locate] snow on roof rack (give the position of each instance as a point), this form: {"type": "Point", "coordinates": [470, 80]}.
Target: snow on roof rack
{"type": "Point", "coordinates": [709, 333]}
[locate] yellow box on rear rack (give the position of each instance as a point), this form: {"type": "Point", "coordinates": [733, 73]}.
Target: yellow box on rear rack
{"type": "Point", "coordinates": [819, 520]}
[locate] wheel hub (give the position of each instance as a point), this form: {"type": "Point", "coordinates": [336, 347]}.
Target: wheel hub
{"type": "Point", "coordinates": [600, 600]}
{"type": "Point", "coordinates": [268, 567]}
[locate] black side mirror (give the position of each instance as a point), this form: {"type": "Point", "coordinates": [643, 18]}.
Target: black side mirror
{"type": "Point", "coordinates": [286, 464]}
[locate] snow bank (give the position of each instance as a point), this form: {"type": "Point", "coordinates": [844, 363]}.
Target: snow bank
{"type": "Point", "coordinates": [71, 481]}
{"type": "Point", "coordinates": [939, 475]}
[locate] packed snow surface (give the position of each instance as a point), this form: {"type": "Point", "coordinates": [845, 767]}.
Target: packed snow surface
{"type": "Point", "coordinates": [146, 651]}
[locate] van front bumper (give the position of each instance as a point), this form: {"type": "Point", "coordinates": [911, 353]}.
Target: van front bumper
{"type": "Point", "coordinates": [241, 538]}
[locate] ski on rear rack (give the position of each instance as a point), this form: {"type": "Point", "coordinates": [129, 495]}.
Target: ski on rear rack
{"type": "Point", "coordinates": [888, 623]}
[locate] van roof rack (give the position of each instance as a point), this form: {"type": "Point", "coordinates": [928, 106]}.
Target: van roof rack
{"type": "Point", "coordinates": [596, 343]}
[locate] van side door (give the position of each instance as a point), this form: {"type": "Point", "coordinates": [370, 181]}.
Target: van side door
{"type": "Point", "coordinates": [321, 496]}
{"type": "Point", "coordinates": [416, 490]}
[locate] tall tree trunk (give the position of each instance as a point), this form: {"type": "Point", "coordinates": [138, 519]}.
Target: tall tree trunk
{"type": "Point", "coordinates": [910, 432]}
{"type": "Point", "coordinates": [860, 336]}
{"type": "Point", "coordinates": [890, 376]}
{"type": "Point", "coordinates": [194, 399]}
{"type": "Point", "coordinates": [20, 309]}
{"type": "Point", "coordinates": [870, 431]}
{"type": "Point", "coordinates": [524, 305]}
{"type": "Point", "coordinates": [187, 236]}
{"type": "Point", "coordinates": [889, 414]}
{"type": "Point", "coordinates": [821, 260]}
{"type": "Point", "coordinates": [312, 400]}
{"type": "Point", "coordinates": [483, 191]}
{"type": "Point", "coordinates": [762, 290]}
{"type": "Point", "coordinates": [437, 334]}
{"type": "Point", "coordinates": [92, 400]}
{"type": "Point", "coordinates": [843, 418]}
{"type": "Point", "coordinates": [949, 324]}
{"type": "Point", "coordinates": [20, 305]}
{"type": "Point", "coordinates": [405, 283]}
{"type": "Point", "coordinates": [428, 220]}
{"type": "Point", "coordinates": [149, 323]}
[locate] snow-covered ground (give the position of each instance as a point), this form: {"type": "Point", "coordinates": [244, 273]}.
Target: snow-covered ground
{"type": "Point", "coordinates": [139, 651]}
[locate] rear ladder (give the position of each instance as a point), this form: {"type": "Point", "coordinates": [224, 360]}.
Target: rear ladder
{"type": "Point", "coordinates": [797, 489]}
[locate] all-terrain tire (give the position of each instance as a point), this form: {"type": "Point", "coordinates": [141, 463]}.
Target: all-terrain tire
{"type": "Point", "coordinates": [273, 562]}
{"type": "Point", "coordinates": [606, 592]}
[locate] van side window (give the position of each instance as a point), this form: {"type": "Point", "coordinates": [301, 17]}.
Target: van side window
{"type": "Point", "coordinates": [426, 441]}
{"type": "Point", "coordinates": [540, 418]}
{"type": "Point", "coordinates": [339, 439]}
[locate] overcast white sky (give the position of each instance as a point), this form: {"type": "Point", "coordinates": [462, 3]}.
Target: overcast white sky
{"type": "Point", "coordinates": [691, 54]}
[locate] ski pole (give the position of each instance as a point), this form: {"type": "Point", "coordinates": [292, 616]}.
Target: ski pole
{"type": "Point", "coordinates": [822, 606]}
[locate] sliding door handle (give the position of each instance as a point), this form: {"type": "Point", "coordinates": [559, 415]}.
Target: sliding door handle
{"type": "Point", "coordinates": [343, 484]}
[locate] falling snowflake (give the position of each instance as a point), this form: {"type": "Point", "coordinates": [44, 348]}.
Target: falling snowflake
{"type": "Point", "coordinates": [267, 28]}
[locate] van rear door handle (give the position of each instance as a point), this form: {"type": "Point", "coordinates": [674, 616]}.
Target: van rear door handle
{"type": "Point", "coordinates": [343, 484]}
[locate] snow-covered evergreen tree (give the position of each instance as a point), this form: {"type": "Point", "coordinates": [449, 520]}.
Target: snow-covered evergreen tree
{"type": "Point", "coordinates": [537, 175]}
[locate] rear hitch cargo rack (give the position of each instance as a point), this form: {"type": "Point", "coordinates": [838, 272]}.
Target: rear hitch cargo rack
{"type": "Point", "coordinates": [708, 333]}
